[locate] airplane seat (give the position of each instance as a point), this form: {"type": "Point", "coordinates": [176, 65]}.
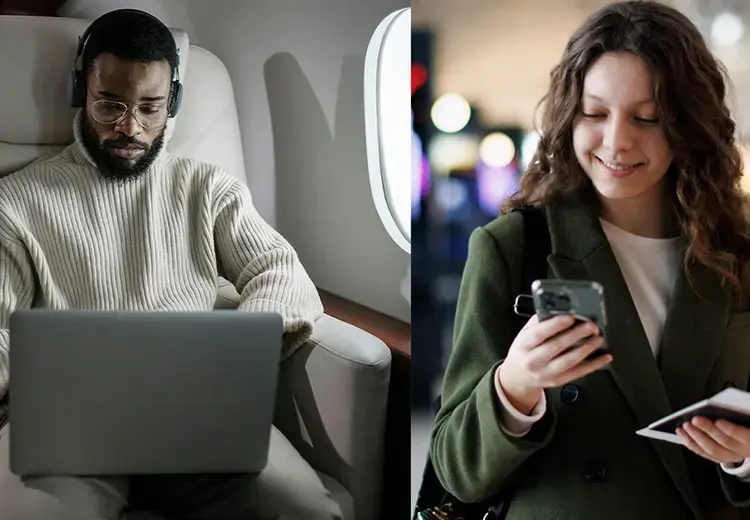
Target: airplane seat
{"type": "Point", "coordinates": [332, 394]}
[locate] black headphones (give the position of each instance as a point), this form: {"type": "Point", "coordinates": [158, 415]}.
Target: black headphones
{"type": "Point", "coordinates": [77, 77]}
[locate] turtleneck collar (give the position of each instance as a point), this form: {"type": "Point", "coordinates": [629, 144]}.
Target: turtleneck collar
{"type": "Point", "coordinates": [82, 156]}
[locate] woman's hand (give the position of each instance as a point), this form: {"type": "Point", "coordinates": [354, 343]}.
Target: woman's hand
{"type": "Point", "coordinates": [542, 357]}
{"type": "Point", "coordinates": [720, 442]}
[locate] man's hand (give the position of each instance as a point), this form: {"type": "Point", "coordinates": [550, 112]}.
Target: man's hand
{"type": "Point", "coordinates": [720, 442]}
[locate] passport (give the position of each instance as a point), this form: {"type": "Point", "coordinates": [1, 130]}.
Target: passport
{"type": "Point", "coordinates": [732, 405]}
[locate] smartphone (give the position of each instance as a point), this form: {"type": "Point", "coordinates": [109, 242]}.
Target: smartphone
{"type": "Point", "coordinates": [582, 299]}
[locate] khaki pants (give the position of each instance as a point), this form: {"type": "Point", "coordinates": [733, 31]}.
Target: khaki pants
{"type": "Point", "coordinates": [287, 489]}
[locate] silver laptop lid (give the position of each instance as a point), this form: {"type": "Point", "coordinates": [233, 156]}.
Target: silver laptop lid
{"type": "Point", "coordinates": [118, 393]}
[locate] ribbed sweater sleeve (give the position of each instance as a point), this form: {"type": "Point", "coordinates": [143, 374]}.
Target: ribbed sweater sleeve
{"type": "Point", "coordinates": [16, 292]}
{"type": "Point", "coordinates": [262, 265]}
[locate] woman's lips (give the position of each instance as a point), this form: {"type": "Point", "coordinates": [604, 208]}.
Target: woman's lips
{"type": "Point", "coordinates": [619, 170]}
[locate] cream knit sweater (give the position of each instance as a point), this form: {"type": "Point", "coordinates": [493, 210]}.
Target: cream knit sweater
{"type": "Point", "coordinates": [70, 239]}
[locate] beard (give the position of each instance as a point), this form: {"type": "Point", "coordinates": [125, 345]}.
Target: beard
{"type": "Point", "coordinates": [115, 168]}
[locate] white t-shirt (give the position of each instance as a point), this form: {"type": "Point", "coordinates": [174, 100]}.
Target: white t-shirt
{"type": "Point", "coordinates": [650, 267]}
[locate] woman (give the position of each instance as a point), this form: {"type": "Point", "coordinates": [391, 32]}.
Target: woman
{"type": "Point", "coordinates": [639, 176]}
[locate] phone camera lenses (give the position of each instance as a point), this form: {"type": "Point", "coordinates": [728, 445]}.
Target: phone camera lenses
{"type": "Point", "coordinates": [556, 302]}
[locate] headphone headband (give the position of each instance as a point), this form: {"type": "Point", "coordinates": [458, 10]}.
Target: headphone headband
{"type": "Point", "coordinates": [77, 79]}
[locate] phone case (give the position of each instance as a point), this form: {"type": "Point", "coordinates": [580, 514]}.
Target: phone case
{"type": "Point", "coordinates": [583, 299]}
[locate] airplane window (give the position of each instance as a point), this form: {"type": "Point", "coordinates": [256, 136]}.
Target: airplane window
{"type": "Point", "coordinates": [388, 125]}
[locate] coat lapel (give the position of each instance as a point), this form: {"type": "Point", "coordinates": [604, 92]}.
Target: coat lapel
{"type": "Point", "coordinates": [692, 335]}
{"type": "Point", "coordinates": [580, 250]}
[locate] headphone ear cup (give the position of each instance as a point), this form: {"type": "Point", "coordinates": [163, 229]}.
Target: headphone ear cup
{"type": "Point", "coordinates": [76, 89]}
{"type": "Point", "coordinates": [176, 100]}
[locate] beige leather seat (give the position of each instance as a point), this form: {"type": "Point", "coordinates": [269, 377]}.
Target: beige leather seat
{"type": "Point", "coordinates": [333, 392]}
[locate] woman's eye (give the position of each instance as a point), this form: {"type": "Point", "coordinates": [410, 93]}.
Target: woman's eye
{"type": "Point", "coordinates": [644, 120]}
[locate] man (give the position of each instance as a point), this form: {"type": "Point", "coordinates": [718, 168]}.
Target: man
{"type": "Point", "coordinates": [115, 222]}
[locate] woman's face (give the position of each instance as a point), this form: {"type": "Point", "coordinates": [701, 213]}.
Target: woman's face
{"type": "Point", "coordinates": [617, 138]}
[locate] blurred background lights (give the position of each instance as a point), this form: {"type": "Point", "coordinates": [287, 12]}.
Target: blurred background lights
{"type": "Point", "coordinates": [497, 150]}
{"type": "Point", "coordinates": [450, 113]}
{"type": "Point", "coordinates": [494, 186]}
{"type": "Point", "coordinates": [417, 167]}
{"type": "Point", "coordinates": [450, 195]}
{"type": "Point", "coordinates": [528, 149]}
{"type": "Point", "coordinates": [452, 152]}
{"type": "Point", "coordinates": [727, 29]}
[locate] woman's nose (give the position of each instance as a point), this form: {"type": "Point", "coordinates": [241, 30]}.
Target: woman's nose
{"type": "Point", "coordinates": [619, 134]}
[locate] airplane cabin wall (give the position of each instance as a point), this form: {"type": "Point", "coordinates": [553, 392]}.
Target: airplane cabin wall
{"type": "Point", "coordinates": [297, 69]}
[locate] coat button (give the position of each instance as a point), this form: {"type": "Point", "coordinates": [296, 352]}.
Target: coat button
{"type": "Point", "coordinates": [595, 472]}
{"type": "Point", "coordinates": [729, 384]}
{"type": "Point", "coordinates": [569, 394]}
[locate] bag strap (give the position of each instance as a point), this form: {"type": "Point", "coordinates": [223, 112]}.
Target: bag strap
{"type": "Point", "coordinates": [537, 244]}
{"type": "Point", "coordinates": [536, 247]}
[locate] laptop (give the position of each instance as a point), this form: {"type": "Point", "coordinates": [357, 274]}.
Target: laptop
{"type": "Point", "coordinates": [133, 393]}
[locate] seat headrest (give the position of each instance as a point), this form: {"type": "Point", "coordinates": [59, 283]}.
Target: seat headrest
{"type": "Point", "coordinates": [36, 55]}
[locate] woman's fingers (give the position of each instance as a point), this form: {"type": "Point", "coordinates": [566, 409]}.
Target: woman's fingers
{"type": "Point", "coordinates": [536, 332]}
{"type": "Point", "coordinates": [583, 369]}
{"type": "Point", "coordinates": [573, 364]}
{"type": "Point", "coordinates": [573, 356]}
{"type": "Point", "coordinates": [553, 352]}
{"type": "Point", "coordinates": [563, 342]}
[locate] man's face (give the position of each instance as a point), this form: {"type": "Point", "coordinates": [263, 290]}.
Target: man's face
{"type": "Point", "coordinates": [125, 149]}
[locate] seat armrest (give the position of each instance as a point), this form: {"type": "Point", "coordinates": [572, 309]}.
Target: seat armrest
{"type": "Point", "coordinates": [332, 403]}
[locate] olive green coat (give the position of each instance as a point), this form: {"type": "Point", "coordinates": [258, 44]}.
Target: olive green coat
{"type": "Point", "coordinates": [583, 460]}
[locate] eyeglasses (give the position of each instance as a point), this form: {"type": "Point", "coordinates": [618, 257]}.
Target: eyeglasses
{"type": "Point", "coordinates": [148, 115]}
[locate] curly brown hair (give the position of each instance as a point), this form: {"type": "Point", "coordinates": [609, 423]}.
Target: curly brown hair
{"type": "Point", "coordinates": [690, 86]}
